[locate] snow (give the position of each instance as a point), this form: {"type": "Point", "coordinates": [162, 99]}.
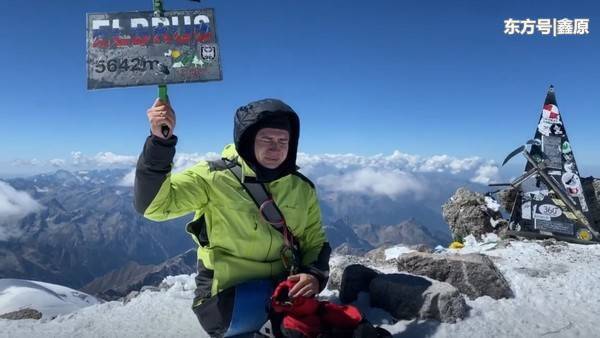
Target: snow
{"type": "Point", "coordinates": [473, 245]}
{"type": "Point", "coordinates": [38, 189]}
{"type": "Point", "coordinates": [49, 299]}
{"type": "Point", "coordinates": [492, 204]}
{"type": "Point", "coordinates": [556, 295]}
{"type": "Point", "coordinates": [396, 251]}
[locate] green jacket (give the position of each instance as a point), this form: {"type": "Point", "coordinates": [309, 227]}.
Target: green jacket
{"type": "Point", "coordinates": [235, 245]}
{"type": "Point", "coordinates": [241, 246]}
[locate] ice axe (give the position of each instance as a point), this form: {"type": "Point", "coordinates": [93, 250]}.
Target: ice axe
{"type": "Point", "coordinates": [519, 150]}
{"type": "Point", "coordinates": [539, 168]}
{"type": "Point", "coordinates": [162, 89]}
{"type": "Point", "coordinates": [157, 6]}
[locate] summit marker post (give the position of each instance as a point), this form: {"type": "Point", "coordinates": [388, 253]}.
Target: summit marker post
{"type": "Point", "coordinates": [152, 48]}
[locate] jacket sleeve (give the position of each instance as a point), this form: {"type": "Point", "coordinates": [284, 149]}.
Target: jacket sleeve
{"type": "Point", "coordinates": [159, 194]}
{"type": "Point", "coordinates": [313, 244]}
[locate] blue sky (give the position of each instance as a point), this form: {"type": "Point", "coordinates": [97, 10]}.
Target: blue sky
{"type": "Point", "coordinates": [421, 77]}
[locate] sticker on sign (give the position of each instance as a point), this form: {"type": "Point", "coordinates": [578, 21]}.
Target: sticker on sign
{"type": "Point", "coordinates": [559, 227]}
{"type": "Point", "coordinates": [550, 210]}
{"type": "Point", "coordinates": [138, 48]}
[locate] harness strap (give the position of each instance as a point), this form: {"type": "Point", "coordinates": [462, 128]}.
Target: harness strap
{"type": "Point", "coordinates": [271, 214]}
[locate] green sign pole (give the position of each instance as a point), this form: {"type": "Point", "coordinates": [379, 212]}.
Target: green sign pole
{"type": "Point", "coordinates": [162, 89]}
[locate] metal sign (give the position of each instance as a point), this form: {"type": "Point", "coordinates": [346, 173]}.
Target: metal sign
{"type": "Point", "coordinates": [138, 48]}
{"type": "Point", "coordinates": [551, 200]}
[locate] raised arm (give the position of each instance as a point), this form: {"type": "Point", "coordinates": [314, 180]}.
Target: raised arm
{"type": "Point", "coordinates": [160, 195]}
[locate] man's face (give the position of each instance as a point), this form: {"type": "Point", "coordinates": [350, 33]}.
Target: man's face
{"type": "Point", "coordinates": [271, 147]}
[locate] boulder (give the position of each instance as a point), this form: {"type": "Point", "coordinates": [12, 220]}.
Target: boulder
{"type": "Point", "coordinates": [347, 249]}
{"type": "Point", "coordinates": [506, 198]}
{"type": "Point", "coordinates": [22, 314]}
{"type": "Point", "coordinates": [406, 296]}
{"type": "Point", "coordinates": [468, 213]}
{"type": "Point", "coordinates": [355, 278]}
{"type": "Point", "coordinates": [474, 275]}
{"type": "Point", "coordinates": [377, 255]}
{"type": "Point", "coordinates": [421, 248]}
{"type": "Point", "coordinates": [591, 189]}
{"type": "Point", "coordinates": [336, 269]}
{"type": "Point", "coordinates": [338, 263]}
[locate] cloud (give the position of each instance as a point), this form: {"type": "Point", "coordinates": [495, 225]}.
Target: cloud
{"type": "Point", "coordinates": [26, 163]}
{"type": "Point", "coordinates": [397, 160]}
{"type": "Point", "coordinates": [486, 174]}
{"type": "Point", "coordinates": [127, 180]}
{"type": "Point", "coordinates": [112, 159]}
{"type": "Point", "coordinates": [317, 164]}
{"type": "Point", "coordinates": [183, 161]}
{"type": "Point", "coordinates": [180, 162]}
{"type": "Point", "coordinates": [102, 159]}
{"type": "Point", "coordinates": [14, 205]}
{"type": "Point", "coordinates": [445, 163]}
{"type": "Point", "coordinates": [392, 183]}
{"type": "Point", "coordinates": [392, 175]}
{"type": "Point", "coordinates": [78, 159]}
{"type": "Point", "coordinates": [57, 162]}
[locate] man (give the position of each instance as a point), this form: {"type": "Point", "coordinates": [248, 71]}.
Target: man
{"type": "Point", "coordinates": [238, 248]}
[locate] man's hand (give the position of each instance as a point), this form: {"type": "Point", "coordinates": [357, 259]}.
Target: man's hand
{"type": "Point", "coordinates": [161, 113]}
{"type": "Point", "coordinates": [306, 285]}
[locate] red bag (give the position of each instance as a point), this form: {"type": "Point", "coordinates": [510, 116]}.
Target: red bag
{"type": "Point", "coordinates": [299, 306]}
{"type": "Point", "coordinates": [308, 317]}
{"type": "Point", "coordinates": [340, 316]}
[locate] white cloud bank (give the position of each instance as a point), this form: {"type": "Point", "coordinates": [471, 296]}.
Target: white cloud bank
{"type": "Point", "coordinates": [392, 183]}
{"type": "Point", "coordinates": [14, 205]}
{"type": "Point", "coordinates": [180, 162]}
{"type": "Point", "coordinates": [485, 174]}
{"type": "Point", "coordinates": [397, 160]}
{"type": "Point", "coordinates": [102, 159]}
{"type": "Point", "coordinates": [392, 175]}
{"type": "Point", "coordinates": [79, 160]}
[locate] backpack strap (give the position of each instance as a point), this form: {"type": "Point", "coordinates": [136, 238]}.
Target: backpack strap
{"type": "Point", "coordinates": [270, 213]}
{"type": "Point", "coordinates": [220, 165]}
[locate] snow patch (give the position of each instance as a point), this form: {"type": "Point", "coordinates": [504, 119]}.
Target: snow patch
{"type": "Point", "coordinates": [473, 245]}
{"type": "Point", "coordinates": [555, 287]}
{"type": "Point", "coordinates": [492, 204]}
{"type": "Point", "coordinates": [38, 189]}
{"type": "Point", "coordinates": [49, 299]}
{"type": "Point", "coordinates": [396, 251]}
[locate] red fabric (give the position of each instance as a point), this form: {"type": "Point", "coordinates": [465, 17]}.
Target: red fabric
{"type": "Point", "coordinates": [340, 316]}
{"type": "Point", "coordinates": [309, 326]}
{"type": "Point", "coordinates": [299, 306]}
{"type": "Point", "coordinates": [310, 316]}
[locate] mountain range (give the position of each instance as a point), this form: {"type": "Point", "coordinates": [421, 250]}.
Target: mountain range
{"type": "Point", "coordinates": [87, 228]}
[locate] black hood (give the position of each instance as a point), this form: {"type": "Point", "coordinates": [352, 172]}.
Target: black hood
{"type": "Point", "coordinates": [246, 124]}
